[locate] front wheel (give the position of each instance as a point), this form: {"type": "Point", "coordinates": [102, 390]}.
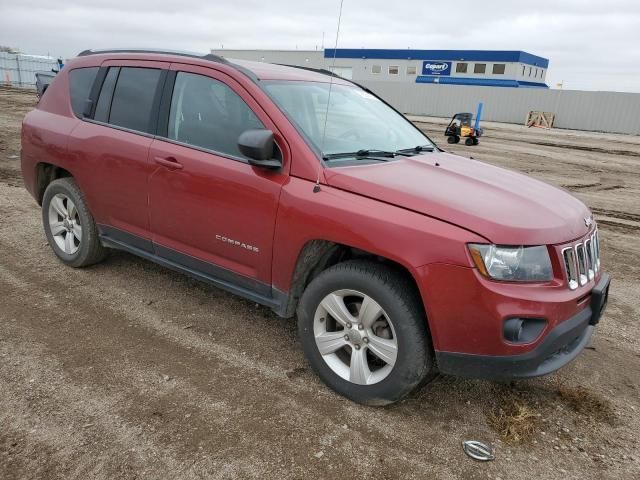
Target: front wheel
{"type": "Point", "coordinates": [363, 331]}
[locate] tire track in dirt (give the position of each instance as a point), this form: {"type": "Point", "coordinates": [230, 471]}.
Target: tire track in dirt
{"type": "Point", "coordinates": [624, 222]}
{"type": "Point", "coordinates": [117, 416]}
{"type": "Point", "coordinates": [276, 401]}
{"type": "Point", "coordinates": [95, 412]}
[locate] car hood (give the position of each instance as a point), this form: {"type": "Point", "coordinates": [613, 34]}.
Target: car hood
{"type": "Point", "coordinates": [503, 206]}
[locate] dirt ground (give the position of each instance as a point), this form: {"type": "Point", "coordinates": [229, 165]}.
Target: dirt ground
{"type": "Point", "coordinates": [128, 370]}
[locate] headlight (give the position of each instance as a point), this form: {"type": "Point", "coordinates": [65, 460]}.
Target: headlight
{"type": "Point", "coordinates": [520, 264]}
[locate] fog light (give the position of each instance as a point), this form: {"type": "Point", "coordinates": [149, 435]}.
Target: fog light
{"type": "Point", "coordinates": [513, 329]}
{"type": "Point", "coordinates": [522, 330]}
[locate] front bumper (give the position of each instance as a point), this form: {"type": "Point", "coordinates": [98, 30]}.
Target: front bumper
{"type": "Point", "coordinates": [558, 347]}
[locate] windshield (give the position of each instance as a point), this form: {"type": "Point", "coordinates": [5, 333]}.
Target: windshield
{"type": "Point", "coordinates": [356, 120]}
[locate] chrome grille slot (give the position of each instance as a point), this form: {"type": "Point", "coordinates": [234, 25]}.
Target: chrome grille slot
{"type": "Point", "coordinates": [582, 264]}
{"type": "Point", "coordinates": [571, 267]}
{"type": "Point", "coordinates": [596, 243]}
{"type": "Point", "coordinates": [582, 261]}
{"type": "Point", "coordinates": [588, 247]}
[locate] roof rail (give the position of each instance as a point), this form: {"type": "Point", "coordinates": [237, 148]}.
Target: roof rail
{"type": "Point", "coordinates": [206, 56]}
{"type": "Point", "coordinates": [311, 69]}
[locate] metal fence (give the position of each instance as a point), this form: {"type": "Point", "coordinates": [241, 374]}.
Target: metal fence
{"type": "Point", "coordinates": [610, 112]}
{"type": "Point", "coordinates": [18, 70]}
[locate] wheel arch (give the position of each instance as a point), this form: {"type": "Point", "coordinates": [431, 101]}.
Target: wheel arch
{"type": "Point", "coordinates": [318, 255]}
{"type": "Point", "coordinates": [45, 174]}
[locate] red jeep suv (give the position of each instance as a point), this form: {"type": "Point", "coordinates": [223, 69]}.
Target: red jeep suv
{"type": "Point", "coordinates": [307, 193]}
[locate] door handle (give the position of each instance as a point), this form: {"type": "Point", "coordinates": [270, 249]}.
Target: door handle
{"type": "Point", "coordinates": [169, 162]}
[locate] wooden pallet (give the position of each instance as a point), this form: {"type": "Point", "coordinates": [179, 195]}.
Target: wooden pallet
{"type": "Point", "coordinates": [540, 119]}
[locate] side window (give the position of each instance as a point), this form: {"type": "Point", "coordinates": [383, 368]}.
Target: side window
{"type": "Point", "coordinates": [206, 113]}
{"type": "Point", "coordinates": [106, 94]}
{"type": "Point", "coordinates": [498, 68]}
{"type": "Point", "coordinates": [132, 103]}
{"type": "Point", "coordinates": [80, 83]}
{"type": "Point", "coordinates": [480, 68]}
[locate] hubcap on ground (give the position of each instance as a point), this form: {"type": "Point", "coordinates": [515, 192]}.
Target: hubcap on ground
{"type": "Point", "coordinates": [355, 337]}
{"type": "Point", "coordinates": [64, 224]}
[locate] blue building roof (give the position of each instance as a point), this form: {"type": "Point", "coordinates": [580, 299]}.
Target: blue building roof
{"type": "Point", "coordinates": [455, 55]}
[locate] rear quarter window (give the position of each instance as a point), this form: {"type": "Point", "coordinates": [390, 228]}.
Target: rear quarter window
{"type": "Point", "coordinates": [80, 83]}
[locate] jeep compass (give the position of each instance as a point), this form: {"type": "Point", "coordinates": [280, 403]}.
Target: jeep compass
{"type": "Point", "coordinates": [307, 193]}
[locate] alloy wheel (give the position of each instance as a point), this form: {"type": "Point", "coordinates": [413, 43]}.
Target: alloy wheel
{"type": "Point", "coordinates": [355, 337]}
{"type": "Point", "coordinates": [64, 224]}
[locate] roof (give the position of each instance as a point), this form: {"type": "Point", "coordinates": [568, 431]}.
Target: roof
{"type": "Point", "coordinates": [455, 55]}
{"type": "Point", "coordinates": [256, 70]}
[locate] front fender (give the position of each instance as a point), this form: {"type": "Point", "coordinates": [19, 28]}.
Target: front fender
{"type": "Point", "coordinates": [405, 237]}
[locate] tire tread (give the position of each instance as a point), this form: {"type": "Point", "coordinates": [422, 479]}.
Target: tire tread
{"type": "Point", "coordinates": [409, 306]}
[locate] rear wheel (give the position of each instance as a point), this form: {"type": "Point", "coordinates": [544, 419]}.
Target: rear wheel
{"type": "Point", "coordinates": [363, 331]}
{"type": "Point", "coordinates": [69, 226]}
{"type": "Point", "coordinates": [469, 142]}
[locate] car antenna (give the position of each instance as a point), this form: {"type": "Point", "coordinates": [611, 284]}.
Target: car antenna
{"type": "Point", "coordinates": [316, 187]}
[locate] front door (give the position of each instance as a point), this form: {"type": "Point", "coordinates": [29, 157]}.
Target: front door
{"type": "Point", "coordinates": [211, 211]}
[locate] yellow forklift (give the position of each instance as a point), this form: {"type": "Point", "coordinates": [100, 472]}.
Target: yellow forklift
{"type": "Point", "coordinates": [461, 126]}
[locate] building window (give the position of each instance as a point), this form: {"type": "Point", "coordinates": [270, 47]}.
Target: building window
{"type": "Point", "coordinates": [376, 69]}
{"type": "Point", "coordinates": [411, 70]}
{"type": "Point", "coordinates": [461, 67]}
{"type": "Point", "coordinates": [394, 69]}
{"type": "Point", "coordinates": [498, 68]}
{"type": "Point", "coordinates": [479, 68]}
{"type": "Point", "coordinates": [344, 72]}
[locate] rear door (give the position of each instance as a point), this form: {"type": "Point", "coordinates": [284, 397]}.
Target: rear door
{"type": "Point", "coordinates": [210, 210]}
{"type": "Point", "coordinates": [112, 148]}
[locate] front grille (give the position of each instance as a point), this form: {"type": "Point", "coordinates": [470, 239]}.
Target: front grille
{"type": "Point", "coordinates": [582, 261]}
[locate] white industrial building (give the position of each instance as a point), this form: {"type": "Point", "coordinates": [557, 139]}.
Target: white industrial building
{"type": "Point", "coordinates": [19, 70]}
{"type": "Point", "coordinates": [492, 68]}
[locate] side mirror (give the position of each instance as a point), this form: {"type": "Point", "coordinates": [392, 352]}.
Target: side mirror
{"type": "Point", "coordinates": [260, 147]}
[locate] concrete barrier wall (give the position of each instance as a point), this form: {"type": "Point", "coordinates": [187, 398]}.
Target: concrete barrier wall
{"type": "Point", "coordinates": [575, 109]}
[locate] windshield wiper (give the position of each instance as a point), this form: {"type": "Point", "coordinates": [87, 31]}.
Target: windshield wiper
{"type": "Point", "coordinates": [414, 150]}
{"type": "Point", "coordinates": [365, 153]}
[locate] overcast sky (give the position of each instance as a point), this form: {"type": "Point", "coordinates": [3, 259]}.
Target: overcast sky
{"type": "Point", "coordinates": [591, 44]}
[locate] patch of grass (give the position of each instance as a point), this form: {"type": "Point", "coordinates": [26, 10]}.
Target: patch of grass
{"type": "Point", "coordinates": [513, 420]}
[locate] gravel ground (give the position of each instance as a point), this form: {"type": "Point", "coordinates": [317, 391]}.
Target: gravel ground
{"type": "Point", "coordinates": [128, 370]}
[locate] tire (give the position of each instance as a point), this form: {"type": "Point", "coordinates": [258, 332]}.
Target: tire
{"type": "Point", "coordinates": [469, 142]}
{"type": "Point", "coordinates": [69, 226]}
{"type": "Point", "coordinates": [451, 139]}
{"type": "Point", "coordinates": [401, 320]}
{"type": "Point", "coordinates": [475, 141]}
